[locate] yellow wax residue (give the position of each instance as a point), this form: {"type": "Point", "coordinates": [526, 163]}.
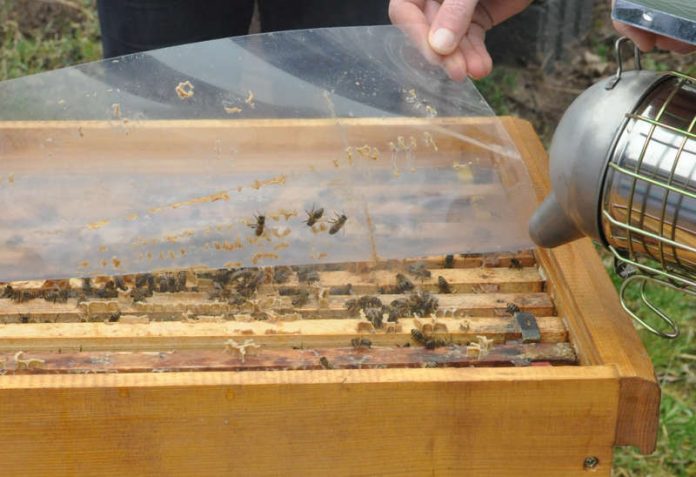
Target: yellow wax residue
{"type": "Point", "coordinates": [287, 213]}
{"type": "Point", "coordinates": [250, 99]}
{"type": "Point", "coordinates": [223, 195]}
{"type": "Point", "coordinates": [103, 248]}
{"type": "Point", "coordinates": [184, 90]}
{"type": "Point", "coordinates": [116, 262]}
{"type": "Point", "coordinates": [232, 110]}
{"type": "Point", "coordinates": [132, 216]}
{"type": "Point", "coordinates": [429, 141]}
{"type": "Point", "coordinates": [278, 180]}
{"type": "Point", "coordinates": [97, 225]}
{"type": "Point", "coordinates": [319, 255]}
{"type": "Point", "coordinates": [261, 256]}
{"type": "Point", "coordinates": [281, 246]}
{"type": "Point", "coordinates": [84, 264]}
{"type": "Point", "coordinates": [11, 178]}
{"type": "Point", "coordinates": [233, 264]}
{"type": "Point", "coordinates": [349, 155]}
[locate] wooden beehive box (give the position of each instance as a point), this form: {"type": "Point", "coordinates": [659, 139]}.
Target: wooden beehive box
{"type": "Point", "coordinates": [185, 383]}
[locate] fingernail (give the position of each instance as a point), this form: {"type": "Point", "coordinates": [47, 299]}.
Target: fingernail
{"type": "Point", "coordinates": [443, 41]}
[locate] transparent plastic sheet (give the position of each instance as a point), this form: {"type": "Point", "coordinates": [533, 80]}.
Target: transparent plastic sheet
{"type": "Point", "coordinates": [166, 159]}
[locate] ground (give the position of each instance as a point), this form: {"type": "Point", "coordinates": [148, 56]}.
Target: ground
{"type": "Point", "coordinates": [40, 35]}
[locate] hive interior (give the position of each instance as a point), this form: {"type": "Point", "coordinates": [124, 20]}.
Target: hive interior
{"type": "Point", "coordinates": [453, 311]}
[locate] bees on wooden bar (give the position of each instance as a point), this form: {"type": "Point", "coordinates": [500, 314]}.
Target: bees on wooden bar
{"type": "Point", "coordinates": [361, 343]}
{"type": "Point", "coordinates": [281, 274]}
{"type": "Point", "coordinates": [443, 285]}
{"type": "Point", "coordinates": [341, 290]}
{"type": "Point", "coordinates": [511, 309]}
{"type": "Point", "coordinates": [403, 284]}
{"type": "Point", "coordinates": [307, 275]}
{"type": "Point", "coordinates": [419, 271]}
{"type": "Point", "coordinates": [301, 299]}
{"type": "Point", "coordinates": [515, 263]}
{"type": "Point", "coordinates": [337, 223]}
{"type": "Point", "coordinates": [324, 362]}
{"type": "Point", "coordinates": [426, 341]}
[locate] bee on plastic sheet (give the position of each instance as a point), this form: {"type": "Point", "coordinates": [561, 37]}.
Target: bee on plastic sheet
{"type": "Point", "coordinates": [314, 215]}
{"type": "Point", "coordinates": [337, 223]}
{"type": "Point", "coordinates": [259, 225]}
{"type": "Point", "coordinates": [511, 309]}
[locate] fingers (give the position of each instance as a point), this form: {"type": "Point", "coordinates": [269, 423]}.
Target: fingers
{"type": "Point", "coordinates": [478, 61]}
{"type": "Point", "coordinates": [670, 44]}
{"type": "Point", "coordinates": [645, 40]}
{"type": "Point", "coordinates": [450, 24]}
{"type": "Point", "coordinates": [409, 16]}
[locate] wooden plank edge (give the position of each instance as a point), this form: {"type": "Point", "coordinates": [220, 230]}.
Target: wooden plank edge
{"type": "Point", "coordinates": [600, 338]}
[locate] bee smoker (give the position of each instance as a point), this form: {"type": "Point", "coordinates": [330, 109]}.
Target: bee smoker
{"type": "Point", "coordinates": [623, 169]}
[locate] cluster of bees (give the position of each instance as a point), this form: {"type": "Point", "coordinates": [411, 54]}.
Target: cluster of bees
{"type": "Point", "coordinates": [313, 216]}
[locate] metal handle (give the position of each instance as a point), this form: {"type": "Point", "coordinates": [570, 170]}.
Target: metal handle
{"type": "Point", "coordinates": [673, 331]}
{"type": "Point", "coordinates": [619, 59]}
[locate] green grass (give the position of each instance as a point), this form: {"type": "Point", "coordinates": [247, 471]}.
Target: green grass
{"type": "Point", "coordinates": [38, 36]}
{"type": "Point", "coordinates": [675, 365]}
{"type": "Point", "coordinates": [43, 35]}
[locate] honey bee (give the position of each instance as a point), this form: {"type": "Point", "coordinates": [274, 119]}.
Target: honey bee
{"type": "Point", "coordinates": [139, 294]}
{"type": "Point", "coordinates": [426, 341]}
{"type": "Point", "coordinates": [308, 275]}
{"type": "Point", "coordinates": [423, 303]}
{"type": "Point", "coordinates": [341, 290]}
{"type": "Point", "coordinates": [56, 295]}
{"type": "Point", "coordinates": [443, 286]}
{"type": "Point", "coordinates": [259, 225]}
{"type": "Point", "coordinates": [8, 292]}
{"type": "Point", "coordinates": [515, 263]}
{"type": "Point", "coordinates": [511, 309]}
{"type": "Point", "coordinates": [449, 261]}
{"type": "Point", "coordinates": [417, 336]}
{"type": "Point", "coordinates": [108, 291]}
{"type": "Point", "coordinates": [301, 298]}
{"type": "Point", "coordinates": [120, 283]}
{"type": "Point", "coordinates": [314, 215]}
{"type": "Point", "coordinates": [375, 316]}
{"type": "Point", "coordinates": [281, 274]}
{"type": "Point", "coordinates": [325, 363]}
{"type": "Point", "coordinates": [337, 223]}
{"type": "Point", "coordinates": [361, 343]}
{"type": "Point", "coordinates": [419, 270]}
{"type": "Point", "coordinates": [403, 284]}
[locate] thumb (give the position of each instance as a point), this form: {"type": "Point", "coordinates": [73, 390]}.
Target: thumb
{"type": "Point", "coordinates": [450, 24]}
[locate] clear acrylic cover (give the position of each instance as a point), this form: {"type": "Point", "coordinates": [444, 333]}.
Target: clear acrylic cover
{"type": "Point", "coordinates": [171, 158]}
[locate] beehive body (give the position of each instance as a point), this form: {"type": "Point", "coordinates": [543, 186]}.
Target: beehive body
{"type": "Point", "coordinates": [186, 382]}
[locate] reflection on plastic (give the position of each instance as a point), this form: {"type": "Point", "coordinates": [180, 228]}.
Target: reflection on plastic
{"type": "Point", "coordinates": [220, 154]}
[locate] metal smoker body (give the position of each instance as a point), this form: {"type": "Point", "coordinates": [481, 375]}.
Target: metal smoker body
{"type": "Point", "coordinates": [629, 144]}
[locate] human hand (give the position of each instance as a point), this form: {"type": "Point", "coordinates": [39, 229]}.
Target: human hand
{"type": "Point", "coordinates": [451, 33]}
{"type": "Point", "coordinates": [648, 41]}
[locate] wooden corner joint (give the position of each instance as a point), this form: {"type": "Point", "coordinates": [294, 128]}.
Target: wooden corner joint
{"type": "Point", "coordinates": [639, 413]}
